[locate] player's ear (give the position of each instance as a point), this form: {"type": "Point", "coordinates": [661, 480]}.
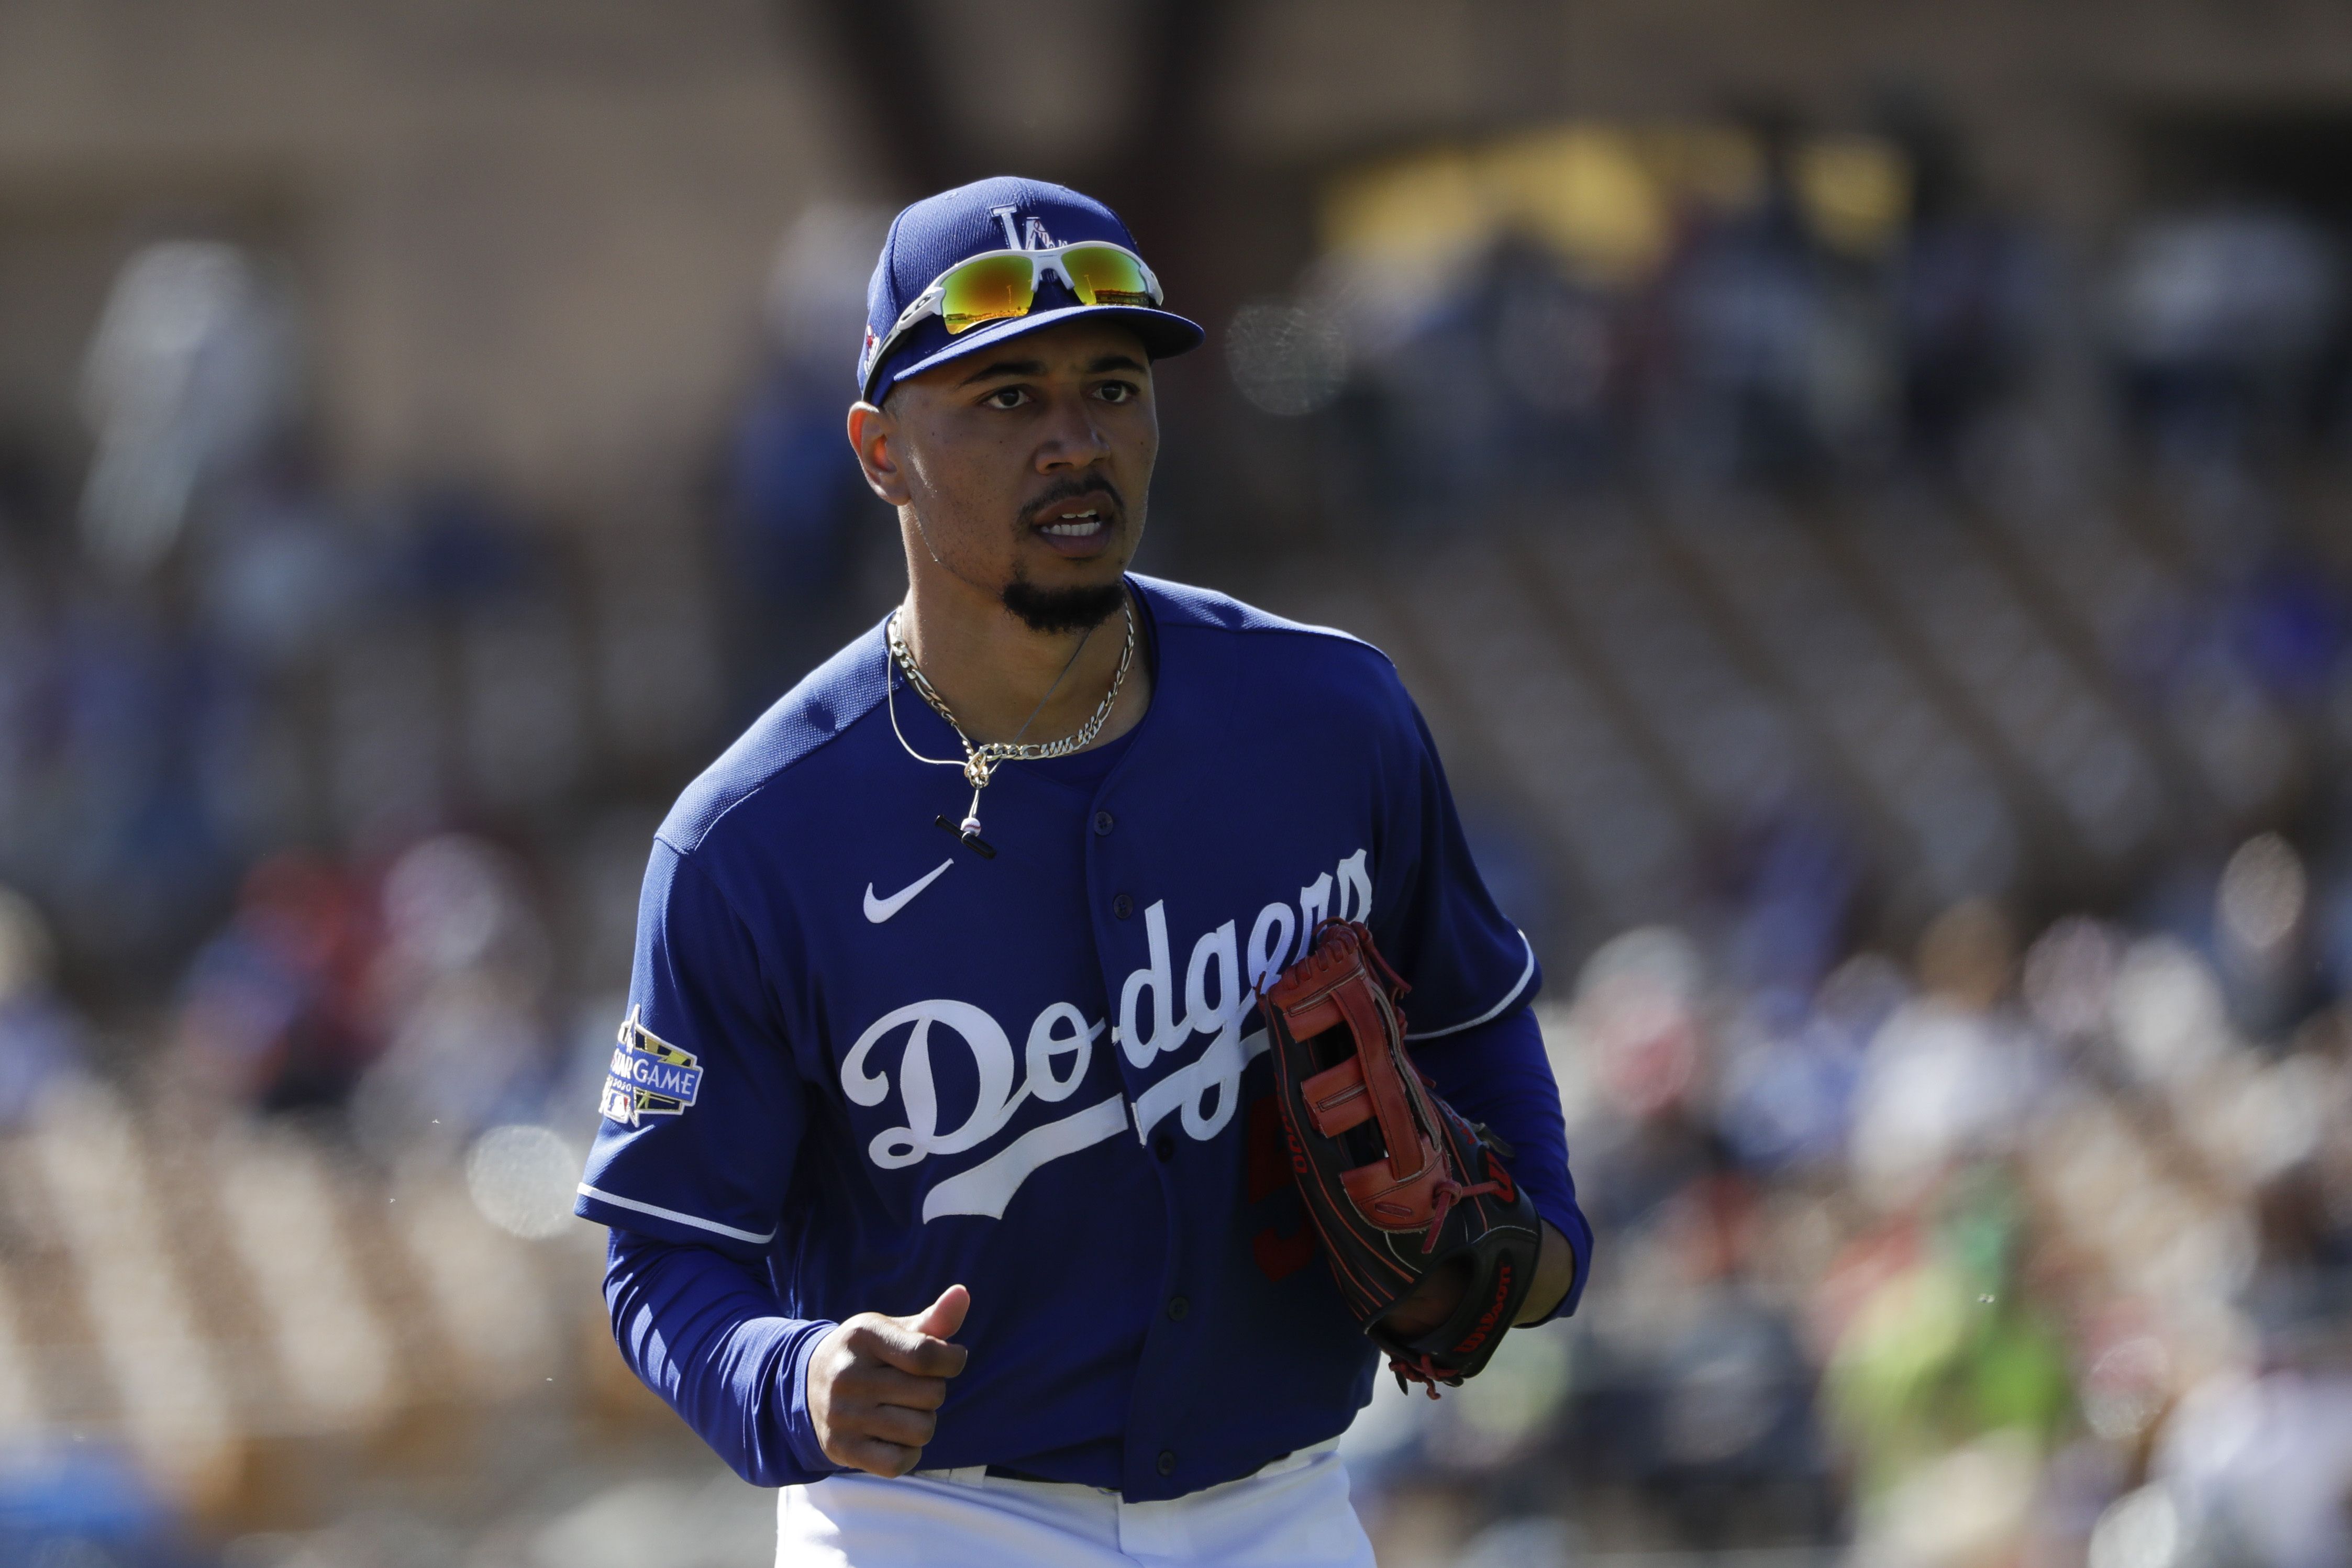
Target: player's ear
{"type": "Point", "coordinates": [873, 435]}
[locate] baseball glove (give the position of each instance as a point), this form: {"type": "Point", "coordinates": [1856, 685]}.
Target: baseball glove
{"type": "Point", "coordinates": [1400, 1186]}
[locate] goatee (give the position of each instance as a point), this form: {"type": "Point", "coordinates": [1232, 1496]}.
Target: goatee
{"type": "Point", "coordinates": [1057, 611]}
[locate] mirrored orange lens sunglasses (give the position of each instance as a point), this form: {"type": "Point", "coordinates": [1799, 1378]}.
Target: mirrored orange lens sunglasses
{"type": "Point", "coordinates": [1001, 285]}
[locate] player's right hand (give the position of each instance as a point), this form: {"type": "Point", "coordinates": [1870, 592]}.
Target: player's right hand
{"type": "Point", "coordinates": [876, 1384]}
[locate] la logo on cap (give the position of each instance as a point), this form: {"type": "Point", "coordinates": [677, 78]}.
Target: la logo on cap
{"type": "Point", "coordinates": [1032, 236]}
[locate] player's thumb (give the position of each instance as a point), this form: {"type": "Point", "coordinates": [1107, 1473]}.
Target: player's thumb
{"type": "Point", "coordinates": [943, 1317]}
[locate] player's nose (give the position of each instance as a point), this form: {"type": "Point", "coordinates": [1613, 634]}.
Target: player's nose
{"type": "Point", "coordinates": [1073, 438]}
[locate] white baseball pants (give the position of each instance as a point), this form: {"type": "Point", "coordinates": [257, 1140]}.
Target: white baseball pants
{"type": "Point", "coordinates": [1292, 1514]}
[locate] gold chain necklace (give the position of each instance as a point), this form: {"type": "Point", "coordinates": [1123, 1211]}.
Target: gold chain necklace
{"type": "Point", "coordinates": [980, 762]}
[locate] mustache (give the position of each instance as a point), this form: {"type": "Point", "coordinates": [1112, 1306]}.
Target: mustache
{"type": "Point", "coordinates": [1068, 490]}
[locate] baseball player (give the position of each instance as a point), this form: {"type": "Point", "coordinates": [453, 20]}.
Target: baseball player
{"type": "Point", "coordinates": [983, 1163]}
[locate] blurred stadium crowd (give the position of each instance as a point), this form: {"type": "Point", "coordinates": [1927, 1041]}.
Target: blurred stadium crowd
{"type": "Point", "coordinates": [1897, 672]}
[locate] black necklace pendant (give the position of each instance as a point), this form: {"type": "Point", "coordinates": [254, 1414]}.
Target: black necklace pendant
{"type": "Point", "coordinates": [971, 841]}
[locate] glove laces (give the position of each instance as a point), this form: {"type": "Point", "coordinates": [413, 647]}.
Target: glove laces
{"type": "Point", "coordinates": [1442, 1197]}
{"type": "Point", "coordinates": [1422, 1370]}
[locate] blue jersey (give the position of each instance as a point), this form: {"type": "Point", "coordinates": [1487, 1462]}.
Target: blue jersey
{"type": "Point", "coordinates": [873, 1061]}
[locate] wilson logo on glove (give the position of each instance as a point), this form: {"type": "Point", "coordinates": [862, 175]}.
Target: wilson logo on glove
{"type": "Point", "coordinates": [1385, 1165]}
{"type": "Point", "coordinates": [1492, 1315]}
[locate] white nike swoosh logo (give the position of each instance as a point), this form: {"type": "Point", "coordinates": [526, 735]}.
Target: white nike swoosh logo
{"type": "Point", "coordinates": [877, 910]}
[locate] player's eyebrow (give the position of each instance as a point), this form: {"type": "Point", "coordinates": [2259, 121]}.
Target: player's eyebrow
{"type": "Point", "coordinates": [1005, 368]}
{"type": "Point", "coordinates": [1111, 361]}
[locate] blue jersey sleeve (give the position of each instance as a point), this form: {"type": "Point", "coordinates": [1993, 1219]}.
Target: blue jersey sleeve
{"type": "Point", "coordinates": [1433, 916]}
{"type": "Point", "coordinates": [1497, 1073]}
{"type": "Point", "coordinates": [704, 1109]}
{"type": "Point", "coordinates": [1472, 975]}
{"type": "Point", "coordinates": [700, 1329]}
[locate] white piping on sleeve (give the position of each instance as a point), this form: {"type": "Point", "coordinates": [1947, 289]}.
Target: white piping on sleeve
{"type": "Point", "coordinates": [1497, 1010]}
{"type": "Point", "coordinates": [671, 1214]}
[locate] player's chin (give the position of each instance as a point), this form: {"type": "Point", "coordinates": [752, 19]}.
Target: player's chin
{"type": "Point", "coordinates": [1058, 595]}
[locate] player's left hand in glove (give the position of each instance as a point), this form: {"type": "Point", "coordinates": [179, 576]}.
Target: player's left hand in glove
{"type": "Point", "coordinates": [1400, 1188]}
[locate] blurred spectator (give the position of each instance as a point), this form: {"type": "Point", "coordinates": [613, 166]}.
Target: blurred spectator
{"type": "Point", "coordinates": [1943, 1352]}
{"type": "Point", "coordinates": [1635, 1033]}
{"type": "Point", "coordinates": [41, 1038]}
{"type": "Point", "coordinates": [1791, 883]}
{"type": "Point", "coordinates": [798, 518]}
{"type": "Point", "coordinates": [2291, 624]}
{"type": "Point", "coordinates": [194, 368]}
{"type": "Point", "coordinates": [1790, 1070]}
{"type": "Point", "coordinates": [1557, 352]}
{"type": "Point", "coordinates": [279, 564]}
{"type": "Point", "coordinates": [458, 995]}
{"type": "Point", "coordinates": [2222, 315]}
{"type": "Point", "coordinates": [1946, 1079]}
{"type": "Point", "coordinates": [1970, 290]}
{"type": "Point", "coordinates": [425, 1007]}
{"type": "Point", "coordinates": [1702, 1401]}
{"type": "Point", "coordinates": [1507, 384]}
{"type": "Point", "coordinates": [272, 1012]}
{"type": "Point", "coordinates": [125, 832]}
{"type": "Point", "coordinates": [2261, 1466]}
{"type": "Point", "coordinates": [1754, 334]}
{"type": "Point", "coordinates": [2261, 934]}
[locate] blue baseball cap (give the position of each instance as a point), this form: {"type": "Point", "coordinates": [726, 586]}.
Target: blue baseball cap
{"type": "Point", "coordinates": [1000, 213]}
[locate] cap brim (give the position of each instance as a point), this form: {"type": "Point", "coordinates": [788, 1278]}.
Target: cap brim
{"type": "Point", "coordinates": [1164, 334]}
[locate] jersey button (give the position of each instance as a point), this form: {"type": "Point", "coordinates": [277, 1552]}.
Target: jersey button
{"type": "Point", "coordinates": [1179, 1309]}
{"type": "Point", "coordinates": [1165, 1146]}
{"type": "Point", "coordinates": [1166, 1462]}
{"type": "Point", "coordinates": [1122, 906]}
{"type": "Point", "coordinates": [1102, 823]}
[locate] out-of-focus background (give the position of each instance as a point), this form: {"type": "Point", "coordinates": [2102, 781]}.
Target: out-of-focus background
{"type": "Point", "coordinates": [1860, 491]}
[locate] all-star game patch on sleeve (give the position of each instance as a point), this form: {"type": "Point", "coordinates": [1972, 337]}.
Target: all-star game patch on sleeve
{"type": "Point", "coordinates": [702, 1107]}
{"type": "Point", "coordinates": [1465, 961]}
{"type": "Point", "coordinates": [649, 1076]}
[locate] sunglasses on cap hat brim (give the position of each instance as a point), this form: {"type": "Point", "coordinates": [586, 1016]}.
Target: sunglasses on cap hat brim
{"type": "Point", "coordinates": [1003, 285]}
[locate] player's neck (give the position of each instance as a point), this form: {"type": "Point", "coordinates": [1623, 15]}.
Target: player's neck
{"type": "Point", "coordinates": [994, 670]}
